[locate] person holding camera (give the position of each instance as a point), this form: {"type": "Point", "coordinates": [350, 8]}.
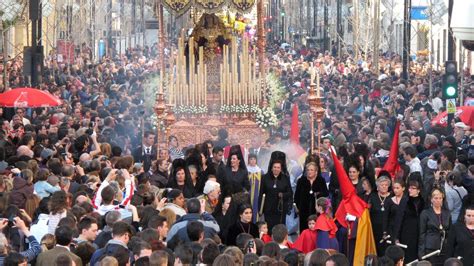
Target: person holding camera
{"type": "Point", "coordinates": [104, 200]}
{"type": "Point", "coordinates": [34, 249]}
{"type": "Point", "coordinates": [82, 145]}
{"type": "Point", "coordinates": [455, 193]}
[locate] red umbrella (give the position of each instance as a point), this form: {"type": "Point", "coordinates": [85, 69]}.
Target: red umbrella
{"type": "Point", "coordinates": [465, 113]}
{"type": "Point", "coordinates": [28, 97]}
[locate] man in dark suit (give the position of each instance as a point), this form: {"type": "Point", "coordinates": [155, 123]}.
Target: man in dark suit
{"type": "Point", "coordinates": [146, 152]}
{"type": "Point", "coordinates": [64, 235]}
{"type": "Point", "coordinates": [217, 155]}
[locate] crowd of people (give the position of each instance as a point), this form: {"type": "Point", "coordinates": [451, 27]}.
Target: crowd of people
{"type": "Point", "coordinates": [88, 183]}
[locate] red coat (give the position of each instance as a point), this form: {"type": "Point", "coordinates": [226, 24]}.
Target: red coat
{"type": "Point", "coordinates": [324, 223]}
{"type": "Point", "coordinates": [266, 238]}
{"type": "Point", "coordinates": [306, 242]}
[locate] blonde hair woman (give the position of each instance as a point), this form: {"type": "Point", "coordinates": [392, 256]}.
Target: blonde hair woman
{"type": "Point", "coordinates": [434, 227]}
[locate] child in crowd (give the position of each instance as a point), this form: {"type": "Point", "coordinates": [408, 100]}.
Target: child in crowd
{"type": "Point", "coordinates": [325, 226]}
{"type": "Point", "coordinates": [263, 232]}
{"type": "Point", "coordinates": [306, 242]}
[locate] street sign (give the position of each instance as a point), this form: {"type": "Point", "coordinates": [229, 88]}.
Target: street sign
{"type": "Point", "coordinates": [451, 106]}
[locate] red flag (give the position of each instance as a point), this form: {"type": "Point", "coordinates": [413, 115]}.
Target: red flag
{"type": "Point", "coordinates": [391, 165]}
{"type": "Point", "coordinates": [295, 131]}
{"type": "Point", "coordinates": [351, 203]}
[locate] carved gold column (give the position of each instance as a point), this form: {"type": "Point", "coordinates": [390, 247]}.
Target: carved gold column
{"type": "Point", "coordinates": [169, 119]}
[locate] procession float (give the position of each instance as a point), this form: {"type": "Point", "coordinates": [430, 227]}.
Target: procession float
{"type": "Point", "coordinates": [215, 75]}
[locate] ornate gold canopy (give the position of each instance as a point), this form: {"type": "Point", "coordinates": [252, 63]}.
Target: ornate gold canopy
{"type": "Point", "coordinates": [179, 7]}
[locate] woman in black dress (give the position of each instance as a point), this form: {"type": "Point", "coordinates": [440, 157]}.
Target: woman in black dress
{"type": "Point", "coordinates": [225, 216]}
{"type": "Point", "coordinates": [434, 225]}
{"type": "Point", "coordinates": [356, 179]}
{"type": "Point", "coordinates": [380, 203]}
{"type": "Point", "coordinates": [309, 188]}
{"type": "Point", "coordinates": [461, 238]}
{"type": "Point", "coordinates": [410, 221]}
{"type": "Point", "coordinates": [395, 211]}
{"type": "Point", "coordinates": [278, 195]}
{"type": "Point", "coordinates": [243, 225]}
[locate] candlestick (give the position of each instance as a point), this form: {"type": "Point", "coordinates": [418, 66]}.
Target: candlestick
{"type": "Point", "coordinates": [205, 85]}
{"type": "Point", "coordinates": [222, 84]}
{"type": "Point", "coordinates": [317, 85]}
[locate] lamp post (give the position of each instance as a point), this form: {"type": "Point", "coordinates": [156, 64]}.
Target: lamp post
{"type": "Point", "coordinates": [159, 108]}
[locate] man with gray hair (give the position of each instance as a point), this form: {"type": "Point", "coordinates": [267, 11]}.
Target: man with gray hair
{"type": "Point", "coordinates": [110, 219]}
{"type": "Point", "coordinates": [212, 191]}
{"type": "Point", "coordinates": [196, 212]}
{"type": "Point", "coordinates": [430, 144]}
{"type": "Point", "coordinates": [68, 172]}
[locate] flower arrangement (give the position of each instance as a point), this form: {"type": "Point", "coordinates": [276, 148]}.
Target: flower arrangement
{"type": "Point", "coordinates": [190, 109]}
{"type": "Point", "coordinates": [239, 109]}
{"type": "Point", "coordinates": [275, 90]}
{"type": "Point", "coordinates": [266, 117]}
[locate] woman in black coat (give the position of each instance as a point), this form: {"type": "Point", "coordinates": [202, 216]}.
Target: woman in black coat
{"type": "Point", "coordinates": [410, 221]}
{"type": "Point", "coordinates": [234, 178]}
{"type": "Point", "coordinates": [380, 203]}
{"type": "Point", "coordinates": [182, 181]}
{"type": "Point", "coordinates": [461, 238]}
{"type": "Point", "coordinates": [309, 188]}
{"type": "Point", "coordinates": [435, 222]}
{"type": "Point", "coordinates": [278, 195]}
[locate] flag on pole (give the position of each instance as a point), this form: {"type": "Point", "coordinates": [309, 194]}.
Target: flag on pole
{"type": "Point", "coordinates": [295, 131]}
{"type": "Point", "coordinates": [295, 152]}
{"type": "Point", "coordinates": [392, 166]}
{"type": "Point", "coordinates": [353, 205]}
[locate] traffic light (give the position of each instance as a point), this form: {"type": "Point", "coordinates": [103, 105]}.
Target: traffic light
{"type": "Point", "coordinates": [450, 80]}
